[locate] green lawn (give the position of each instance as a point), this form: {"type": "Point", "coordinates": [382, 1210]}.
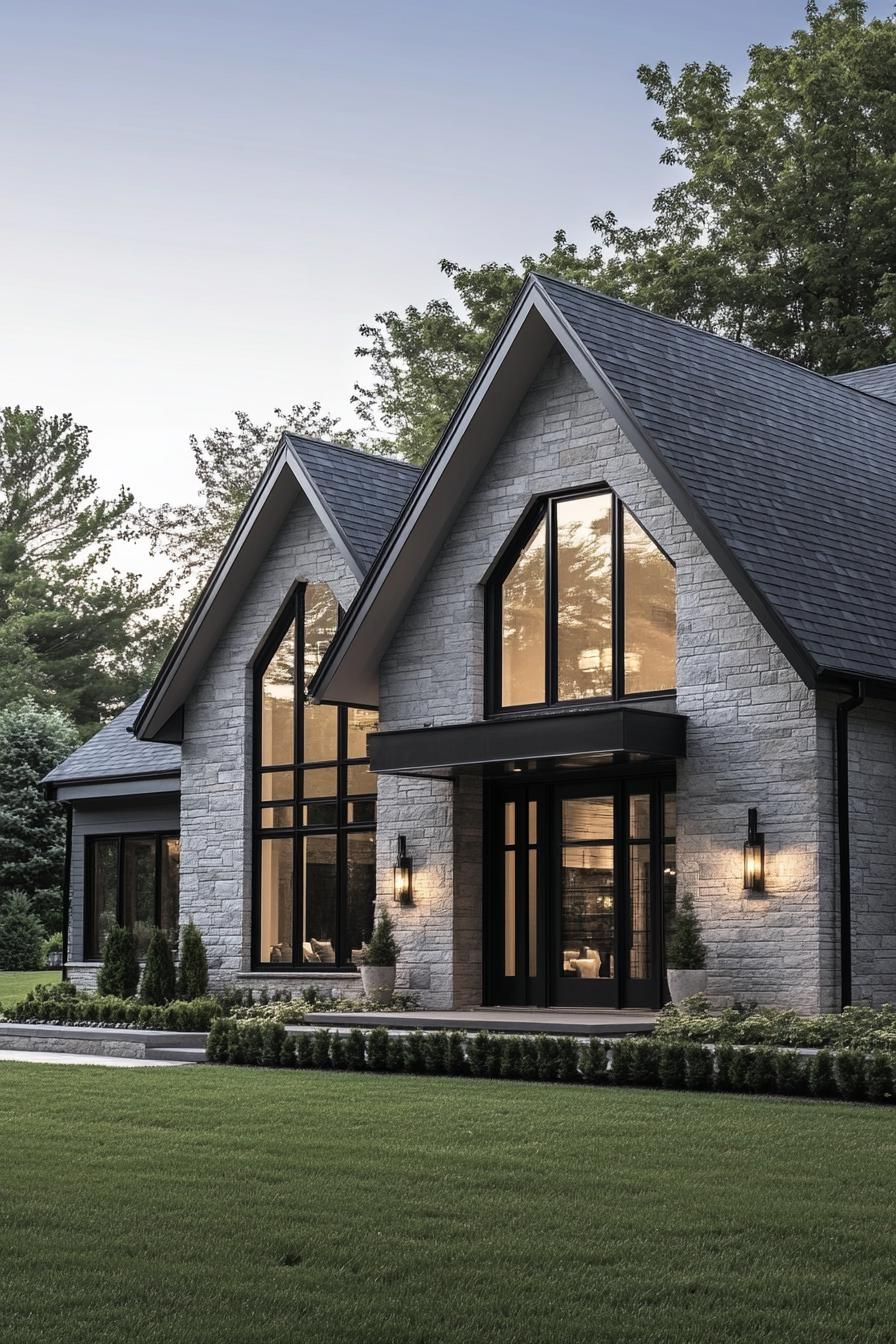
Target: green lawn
{"type": "Point", "coordinates": [229, 1206]}
{"type": "Point", "coordinates": [14, 985]}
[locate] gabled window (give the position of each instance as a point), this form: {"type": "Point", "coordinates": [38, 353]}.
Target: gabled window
{"type": "Point", "coordinates": [315, 802]}
{"type": "Point", "coordinates": [581, 608]}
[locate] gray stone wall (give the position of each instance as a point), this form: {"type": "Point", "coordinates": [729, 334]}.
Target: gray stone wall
{"type": "Point", "coordinates": [752, 727]}
{"type": "Point", "coordinates": [216, 763]}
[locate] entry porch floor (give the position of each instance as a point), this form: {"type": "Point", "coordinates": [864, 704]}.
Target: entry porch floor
{"type": "Point", "coordinates": [518, 1021]}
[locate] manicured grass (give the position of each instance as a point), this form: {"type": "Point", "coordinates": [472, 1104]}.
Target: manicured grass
{"type": "Point", "coordinates": [229, 1206]}
{"type": "Point", "coordinates": [14, 985]}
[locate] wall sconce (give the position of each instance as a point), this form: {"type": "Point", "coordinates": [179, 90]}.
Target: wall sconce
{"type": "Point", "coordinates": [754, 855]}
{"type": "Point", "coordinates": [402, 874]}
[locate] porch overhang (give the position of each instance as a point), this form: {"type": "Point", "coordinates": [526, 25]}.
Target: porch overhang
{"type": "Point", "coordinates": [569, 740]}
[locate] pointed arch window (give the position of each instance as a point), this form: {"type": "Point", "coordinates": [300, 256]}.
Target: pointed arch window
{"type": "Point", "coordinates": [582, 608]}
{"type": "Point", "coordinates": [314, 802]}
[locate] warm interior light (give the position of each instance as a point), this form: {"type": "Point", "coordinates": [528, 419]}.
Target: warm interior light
{"type": "Point", "coordinates": [401, 874]}
{"type": "Point", "coordinates": [754, 855]}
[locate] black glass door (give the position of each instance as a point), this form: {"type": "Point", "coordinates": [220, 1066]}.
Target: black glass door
{"type": "Point", "coordinates": [517, 961]}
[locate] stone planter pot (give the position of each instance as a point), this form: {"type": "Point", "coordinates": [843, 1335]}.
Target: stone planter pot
{"type": "Point", "coordinates": [379, 983]}
{"type": "Point", "coordinates": [682, 984]}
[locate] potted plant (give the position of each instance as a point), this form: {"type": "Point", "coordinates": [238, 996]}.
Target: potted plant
{"type": "Point", "coordinates": [686, 954]}
{"type": "Point", "coordinates": [378, 962]}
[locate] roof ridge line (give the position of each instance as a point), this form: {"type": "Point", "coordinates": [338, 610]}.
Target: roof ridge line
{"type": "Point", "coordinates": [358, 452]}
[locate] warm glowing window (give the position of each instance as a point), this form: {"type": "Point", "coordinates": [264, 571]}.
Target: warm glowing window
{"type": "Point", "coordinates": [583, 609]}
{"type": "Point", "coordinates": [315, 802]}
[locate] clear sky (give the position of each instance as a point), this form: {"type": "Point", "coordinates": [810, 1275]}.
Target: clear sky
{"type": "Point", "coordinates": [202, 199]}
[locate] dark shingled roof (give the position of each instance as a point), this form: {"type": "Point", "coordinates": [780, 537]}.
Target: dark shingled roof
{"type": "Point", "coordinates": [114, 753]}
{"type": "Point", "coordinates": [880, 382]}
{"type": "Point", "coordinates": [796, 472]}
{"type": "Point", "coordinates": [364, 493]}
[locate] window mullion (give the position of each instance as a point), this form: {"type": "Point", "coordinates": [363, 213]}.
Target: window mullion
{"type": "Point", "coordinates": [618, 592]}
{"type": "Point", "coordinates": [298, 836]}
{"type": "Point", "coordinates": [552, 674]}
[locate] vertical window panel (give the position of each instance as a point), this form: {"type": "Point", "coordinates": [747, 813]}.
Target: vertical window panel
{"type": "Point", "coordinates": [510, 912]}
{"type": "Point", "coordinates": [320, 886]}
{"type": "Point", "coordinates": [278, 704]}
{"type": "Point", "coordinates": [320, 732]}
{"type": "Point", "coordinates": [523, 626]}
{"type": "Point", "coordinates": [169, 887]}
{"type": "Point", "coordinates": [649, 586]}
{"type": "Point", "coordinates": [584, 620]}
{"type": "Point", "coordinates": [360, 890]}
{"type": "Point", "coordinates": [360, 723]}
{"type": "Point", "coordinates": [139, 888]}
{"type": "Point", "coordinates": [321, 618]}
{"type": "Point", "coordinates": [102, 881]}
{"type": "Point", "coordinates": [276, 899]}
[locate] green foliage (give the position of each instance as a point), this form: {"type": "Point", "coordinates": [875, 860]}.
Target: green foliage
{"type": "Point", "coordinates": [725, 1057]}
{"type": "Point", "coordinates": [192, 978]}
{"type": "Point", "coordinates": [435, 1048]}
{"type": "Point", "coordinates": [305, 1051]}
{"type": "Point", "coordinates": [685, 949]}
{"type": "Point", "coordinates": [849, 1071]}
{"type": "Point", "coordinates": [699, 1067]}
{"type": "Point", "coordinates": [414, 1051]}
{"type": "Point", "coordinates": [791, 1073]}
{"type": "Point", "coordinates": [159, 980]}
{"type": "Point", "coordinates": [760, 1074]}
{"type": "Point", "coordinates": [672, 1066]}
{"type": "Point", "coordinates": [321, 1052]}
{"type": "Point", "coordinates": [338, 1058]}
{"type": "Point", "coordinates": [273, 1039]}
{"type": "Point", "coordinates": [859, 1027]}
{"type": "Point", "coordinates": [593, 1061]}
{"type": "Point", "coordinates": [32, 830]}
{"type": "Point", "coordinates": [478, 1051]}
{"type": "Point", "coordinates": [511, 1058]}
{"type": "Point", "coordinates": [382, 950]}
{"type": "Point", "coordinates": [568, 1060]}
{"type": "Point", "coordinates": [822, 1082]}
{"type": "Point", "coordinates": [288, 1052]}
{"type": "Point", "coordinates": [355, 1050]}
{"type": "Point", "coordinates": [63, 1004]}
{"type": "Point", "coordinates": [378, 1050]}
{"type": "Point", "coordinates": [21, 934]}
{"type": "Point", "coordinates": [548, 1059]}
{"type": "Point", "coordinates": [879, 1080]}
{"type": "Point", "coordinates": [621, 1061]}
{"type": "Point", "coordinates": [119, 974]}
{"type": "Point", "coordinates": [457, 1055]}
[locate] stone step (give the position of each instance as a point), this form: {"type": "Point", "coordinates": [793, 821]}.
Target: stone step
{"type": "Point", "coordinates": [176, 1054]}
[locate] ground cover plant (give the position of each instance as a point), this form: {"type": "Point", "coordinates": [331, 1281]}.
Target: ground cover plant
{"type": "Point", "coordinates": [64, 1005]}
{"type": "Point", "coordinates": [237, 1206]}
{"type": "Point", "coordinates": [857, 1027]}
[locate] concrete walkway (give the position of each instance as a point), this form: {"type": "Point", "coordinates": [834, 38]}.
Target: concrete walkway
{"type": "Point", "coordinates": [103, 1061]}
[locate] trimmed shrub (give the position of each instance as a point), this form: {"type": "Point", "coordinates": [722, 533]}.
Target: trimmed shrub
{"type": "Point", "coordinates": [621, 1063]}
{"type": "Point", "coordinates": [382, 950]}
{"type": "Point", "coordinates": [21, 934]}
{"type": "Point", "coordinates": [529, 1058]}
{"type": "Point", "coordinates": [288, 1052]}
{"type": "Point", "coordinates": [217, 1040]}
{"type": "Point", "coordinates": [158, 984]}
{"type": "Point", "coordinates": [235, 1051]}
{"type": "Point", "coordinates": [273, 1037]}
{"type": "Point", "coordinates": [435, 1049]}
{"type": "Point", "coordinates": [355, 1050]}
{"type": "Point", "coordinates": [338, 1052]}
{"type": "Point", "coordinates": [686, 950]}
{"type": "Point", "coordinates": [378, 1050]}
{"type": "Point", "coordinates": [414, 1052]}
{"type": "Point", "coordinates": [510, 1059]}
{"type": "Point", "coordinates": [548, 1059]}
{"type": "Point", "coordinates": [724, 1066]}
{"type": "Point", "coordinates": [119, 974]}
{"type": "Point", "coordinates": [849, 1071]}
{"type": "Point", "coordinates": [671, 1068]}
{"type": "Point", "coordinates": [791, 1078]}
{"type": "Point", "coordinates": [305, 1051]}
{"type": "Point", "coordinates": [699, 1067]}
{"type": "Point", "coordinates": [760, 1074]}
{"type": "Point", "coordinates": [457, 1054]}
{"type": "Point", "coordinates": [395, 1055]}
{"type": "Point", "coordinates": [645, 1062]}
{"type": "Point", "coordinates": [593, 1061]}
{"type": "Point", "coordinates": [822, 1082]}
{"type": "Point", "coordinates": [192, 980]}
{"type": "Point", "coordinates": [568, 1060]}
{"type": "Point", "coordinates": [495, 1056]}
{"type": "Point", "coordinates": [478, 1050]}
{"type": "Point", "coordinates": [879, 1077]}
{"type": "Point", "coordinates": [320, 1056]}
{"type": "Point", "coordinates": [741, 1065]}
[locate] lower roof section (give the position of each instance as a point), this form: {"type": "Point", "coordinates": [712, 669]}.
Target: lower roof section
{"type": "Point", "coordinates": [571, 739]}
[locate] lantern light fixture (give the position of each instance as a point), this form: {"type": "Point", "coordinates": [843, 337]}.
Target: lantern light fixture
{"type": "Point", "coordinates": [402, 874]}
{"type": "Point", "coordinates": [754, 856]}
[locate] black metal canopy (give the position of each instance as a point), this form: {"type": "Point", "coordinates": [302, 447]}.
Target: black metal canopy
{"type": "Point", "coordinates": [570, 739]}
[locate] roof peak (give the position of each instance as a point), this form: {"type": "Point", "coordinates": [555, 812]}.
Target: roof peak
{"type": "Point", "coordinates": [379, 458]}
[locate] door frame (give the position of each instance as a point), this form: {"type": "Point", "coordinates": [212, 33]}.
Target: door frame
{"type": "Point", "coordinates": [549, 987]}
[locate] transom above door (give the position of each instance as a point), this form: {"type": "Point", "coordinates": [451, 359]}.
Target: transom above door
{"type": "Point", "coordinates": [576, 884]}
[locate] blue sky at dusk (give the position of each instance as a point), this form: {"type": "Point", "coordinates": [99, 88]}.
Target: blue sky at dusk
{"type": "Point", "coordinates": [202, 201]}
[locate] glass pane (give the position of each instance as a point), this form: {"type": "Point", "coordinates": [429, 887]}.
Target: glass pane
{"type": "Point", "coordinates": [363, 813]}
{"type": "Point", "coordinates": [584, 597]}
{"type": "Point", "coordinates": [587, 912]}
{"type": "Point", "coordinates": [320, 725]}
{"type": "Point", "coordinates": [320, 814]}
{"type": "Point", "coordinates": [639, 816]}
{"type": "Point", "coordinates": [532, 907]}
{"type": "Point", "coordinates": [522, 626]}
{"type": "Point", "coordinates": [277, 785]}
{"type": "Point", "coordinates": [140, 888]}
{"type": "Point", "coordinates": [278, 704]}
{"type": "Point", "coordinates": [587, 819]}
{"type": "Point", "coordinates": [321, 616]}
{"type": "Point", "coordinates": [669, 815]}
{"type": "Point", "coordinates": [169, 888]}
{"type": "Point", "coordinates": [320, 900]}
{"type": "Point", "coordinates": [319, 783]}
{"type": "Point", "coordinates": [360, 890]}
{"type": "Point", "coordinates": [102, 880]}
{"type": "Point", "coordinates": [276, 817]}
{"type": "Point", "coordinates": [649, 612]}
{"type": "Point", "coordinates": [639, 967]}
{"type": "Point", "coordinates": [276, 900]}
{"type": "Point", "coordinates": [510, 912]}
{"type": "Point", "coordinates": [360, 723]}
{"type": "Point", "coordinates": [360, 779]}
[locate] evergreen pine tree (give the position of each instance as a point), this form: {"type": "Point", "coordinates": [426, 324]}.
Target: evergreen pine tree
{"type": "Point", "coordinates": [686, 950]}
{"type": "Point", "coordinates": [119, 974]}
{"type": "Point", "coordinates": [158, 975]}
{"type": "Point", "coordinates": [192, 981]}
{"type": "Point", "coordinates": [21, 934]}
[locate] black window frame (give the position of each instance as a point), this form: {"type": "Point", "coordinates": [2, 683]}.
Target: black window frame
{"type": "Point", "coordinates": [545, 510]}
{"type": "Point", "coordinates": [293, 609]}
{"type": "Point", "coordinates": [119, 838]}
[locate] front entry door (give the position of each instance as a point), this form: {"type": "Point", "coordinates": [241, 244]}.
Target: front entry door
{"type": "Point", "coordinates": [574, 894]}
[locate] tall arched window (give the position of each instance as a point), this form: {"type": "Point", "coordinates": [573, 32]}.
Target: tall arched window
{"type": "Point", "coordinates": [315, 802]}
{"type": "Point", "coordinates": [581, 608]}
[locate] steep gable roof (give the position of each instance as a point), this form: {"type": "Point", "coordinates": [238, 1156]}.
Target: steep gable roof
{"type": "Point", "coordinates": [114, 753]}
{"type": "Point", "coordinates": [357, 520]}
{"type": "Point", "coordinates": [789, 478]}
{"type": "Point", "coordinates": [879, 382]}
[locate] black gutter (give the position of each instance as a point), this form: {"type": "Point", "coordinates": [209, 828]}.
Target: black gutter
{"type": "Point", "coordinates": [66, 882]}
{"type": "Point", "coordinates": [844, 708]}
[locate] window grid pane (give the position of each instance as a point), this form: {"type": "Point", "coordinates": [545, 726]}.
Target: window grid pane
{"type": "Point", "coordinates": [523, 626]}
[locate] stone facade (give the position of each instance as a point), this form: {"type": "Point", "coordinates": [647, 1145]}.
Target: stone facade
{"type": "Point", "coordinates": [752, 729]}
{"type": "Point", "coordinates": [216, 763]}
